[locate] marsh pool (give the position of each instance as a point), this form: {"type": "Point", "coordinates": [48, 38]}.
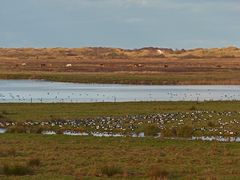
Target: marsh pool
{"type": "Point", "coordinates": [22, 91]}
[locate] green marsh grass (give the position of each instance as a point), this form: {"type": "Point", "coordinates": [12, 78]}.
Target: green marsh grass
{"type": "Point", "coordinates": [78, 157]}
{"type": "Point", "coordinates": [41, 112]}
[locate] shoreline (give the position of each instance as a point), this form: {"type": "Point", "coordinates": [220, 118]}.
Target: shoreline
{"type": "Point", "coordinates": [127, 78]}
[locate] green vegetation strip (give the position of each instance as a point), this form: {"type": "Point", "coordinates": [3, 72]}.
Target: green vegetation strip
{"type": "Point", "coordinates": [46, 157]}
{"type": "Point", "coordinates": [167, 78]}
{"type": "Point", "coordinates": [33, 112]}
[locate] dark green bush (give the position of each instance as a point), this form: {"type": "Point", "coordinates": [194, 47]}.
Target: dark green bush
{"type": "Point", "coordinates": [151, 130]}
{"type": "Point", "coordinates": [170, 132]}
{"type": "Point", "coordinates": [2, 117]}
{"type": "Point", "coordinates": [211, 124]}
{"type": "Point", "coordinates": [185, 131]}
{"type": "Point", "coordinates": [17, 129]}
{"type": "Point", "coordinates": [16, 170]}
{"type": "Point", "coordinates": [5, 112]}
{"type": "Point", "coordinates": [193, 108]}
{"type": "Point", "coordinates": [111, 170]}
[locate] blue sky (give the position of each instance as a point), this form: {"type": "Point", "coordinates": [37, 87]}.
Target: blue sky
{"type": "Point", "coordinates": [119, 23]}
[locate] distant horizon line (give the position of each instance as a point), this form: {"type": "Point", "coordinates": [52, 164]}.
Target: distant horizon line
{"type": "Point", "coordinates": [113, 47]}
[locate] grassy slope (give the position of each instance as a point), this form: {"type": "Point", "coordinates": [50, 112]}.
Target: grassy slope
{"type": "Point", "coordinates": [137, 158]}
{"type": "Point", "coordinates": [22, 112]}
{"type": "Point", "coordinates": [198, 66]}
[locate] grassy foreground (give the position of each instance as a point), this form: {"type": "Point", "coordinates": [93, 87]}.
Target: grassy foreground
{"type": "Point", "coordinates": [24, 112]}
{"type": "Point", "coordinates": [64, 157]}
{"type": "Point", "coordinates": [36, 156]}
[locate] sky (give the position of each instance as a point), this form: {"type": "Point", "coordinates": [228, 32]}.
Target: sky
{"type": "Point", "coordinates": [120, 23]}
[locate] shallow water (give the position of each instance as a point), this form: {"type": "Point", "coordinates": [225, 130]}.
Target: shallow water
{"type": "Point", "coordinates": [142, 135]}
{"type": "Point", "coordinates": [47, 92]}
{"type": "Point", "coordinates": [49, 133]}
{"type": "Point", "coordinates": [102, 134]}
{"type": "Point", "coordinates": [217, 138]}
{"type": "Point", "coordinates": [3, 130]}
{"type": "Point", "coordinates": [139, 135]}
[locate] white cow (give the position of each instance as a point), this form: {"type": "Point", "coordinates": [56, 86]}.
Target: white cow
{"type": "Point", "coordinates": [160, 51]}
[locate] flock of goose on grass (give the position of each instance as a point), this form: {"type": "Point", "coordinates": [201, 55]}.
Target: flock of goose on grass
{"type": "Point", "coordinates": [203, 123]}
